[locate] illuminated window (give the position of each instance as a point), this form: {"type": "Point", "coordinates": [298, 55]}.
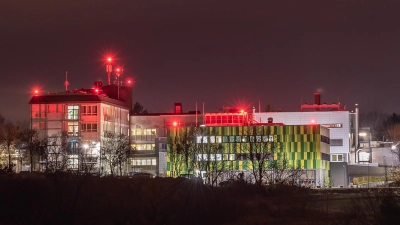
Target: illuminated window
{"type": "Point", "coordinates": [72, 162]}
{"type": "Point", "coordinates": [144, 148]}
{"type": "Point", "coordinates": [73, 129]}
{"type": "Point", "coordinates": [238, 139]}
{"type": "Point", "coordinates": [144, 162]}
{"type": "Point", "coordinates": [73, 112]}
{"type": "Point", "coordinates": [143, 134]}
{"type": "Point", "coordinates": [337, 158]}
{"type": "Point", "coordinates": [202, 139]}
{"type": "Point", "coordinates": [52, 108]}
{"type": "Point", "coordinates": [212, 139]}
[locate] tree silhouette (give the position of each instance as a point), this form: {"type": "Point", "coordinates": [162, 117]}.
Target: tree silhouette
{"type": "Point", "coordinates": [138, 109]}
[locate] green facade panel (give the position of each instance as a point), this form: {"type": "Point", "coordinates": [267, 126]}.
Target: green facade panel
{"type": "Point", "coordinates": [300, 144]}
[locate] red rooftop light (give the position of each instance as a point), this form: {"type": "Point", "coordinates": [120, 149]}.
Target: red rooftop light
{"type": "Point", "coordinates": [109, 59]}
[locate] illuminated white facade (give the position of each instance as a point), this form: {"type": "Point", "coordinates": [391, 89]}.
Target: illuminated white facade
{"type": "Point", "coordinates": [82, 118]}
{"type": "Point", "coordinates": [338, 123]}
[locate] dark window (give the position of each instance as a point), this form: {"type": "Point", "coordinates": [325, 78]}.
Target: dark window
{"type": "Point", "coordinates": [336, 142]}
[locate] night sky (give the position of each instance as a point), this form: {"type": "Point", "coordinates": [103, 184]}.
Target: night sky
{"type": "Point", "coordinates": [222, 53]}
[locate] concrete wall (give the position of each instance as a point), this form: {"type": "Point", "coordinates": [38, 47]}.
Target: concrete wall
{"type": "Point", "coordinates": [339, 175]}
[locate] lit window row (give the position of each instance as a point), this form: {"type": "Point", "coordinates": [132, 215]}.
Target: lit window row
{"type": "Point", "coordinates": [234, 139]}
{"type": "Point", "coordinates": [144, 146]}
{"type": "Point", "coordinates": [215, 157]}
{"type": "Point", "coordinates": [144, 162]}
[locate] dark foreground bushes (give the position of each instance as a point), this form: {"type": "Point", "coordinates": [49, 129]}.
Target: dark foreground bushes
{"type": "Point", "coordinates": [68, 199]}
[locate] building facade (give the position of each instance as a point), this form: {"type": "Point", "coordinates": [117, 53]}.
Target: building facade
{"type": "Point", "coordinates": [220, 151]}
{"type": "Point", "coordinates": [79, 119]}
{"type": "Point", "coordinates": [148, 134]}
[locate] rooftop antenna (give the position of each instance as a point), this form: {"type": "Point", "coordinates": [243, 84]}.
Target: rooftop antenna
{"type": "Point", "coordinates": [66, 81]}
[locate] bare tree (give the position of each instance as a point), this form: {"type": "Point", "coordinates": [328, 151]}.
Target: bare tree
{"type": "Point", "coordinates": [115, 151]}
{"type": "Point", "coordinates": [375, 121]}
{"type": "Point", "coordinates": [210, 158]}
{"type": "Point", "coordinates": [269, 108]}
{"type": "Point", "coordinates": [283, 172]}
{"type": "Point", "coordinates": [258, 148]}
{"type": "Point", "coordinates": [54, 153]}
{"type": "Point", "coordinates": [30, 139]}
{"type": "Point", "coordinates": [393, 132]}
{"type": "Point", "coordinates": [139, 109]}
{"type": "Point", "coordinates": [183, 150]}
{"type": "Point", "coordinates": [192, 149]}
{"type": "Point", "coordinates": [8, 136]}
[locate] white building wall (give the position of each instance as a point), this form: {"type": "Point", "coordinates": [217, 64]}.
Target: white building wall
{"type": "Point", "coordinates": [321, 117]}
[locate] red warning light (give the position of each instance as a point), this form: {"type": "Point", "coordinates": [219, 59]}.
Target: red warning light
{"type": "Point", "coordinates": [109, 59]}
{"type": "Point", "coordinates": [313, 121]}
{"type": "Point", "coordinates": [96, 90]}
{"type": "Point", "coordinates": [175, 123]}
{"type": "Point", "coordinates": [242, 111]}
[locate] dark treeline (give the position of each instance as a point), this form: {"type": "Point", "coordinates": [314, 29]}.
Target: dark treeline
{"type": "Point", "coordinates": [68, 199]}
{"type": "Point", "coordinates": [383, 126]}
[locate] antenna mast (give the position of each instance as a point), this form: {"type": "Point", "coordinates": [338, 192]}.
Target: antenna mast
{"type": "Point", "coordinates": [66, 83]}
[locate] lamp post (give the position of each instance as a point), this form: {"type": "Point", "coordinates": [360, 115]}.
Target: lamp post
{"type": "Point", "coordinates": [344, 176]}
{"type": "Point", "coordinates": [368, 177]}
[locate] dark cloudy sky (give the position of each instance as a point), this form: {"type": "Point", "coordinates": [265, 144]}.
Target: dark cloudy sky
{"type": "Point", "coordinates": [221, 53]}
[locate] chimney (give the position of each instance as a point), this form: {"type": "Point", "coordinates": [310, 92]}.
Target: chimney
{"type": "Point", "coordinates": [178, 108]}
{"type": "Point", "coordinates": [317, 98]}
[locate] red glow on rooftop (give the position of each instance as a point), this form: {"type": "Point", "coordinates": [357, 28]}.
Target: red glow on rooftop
{"type": "Point", "coordinates": [109, 59]}
{"type": "Point", "coordinates": [175, 123]}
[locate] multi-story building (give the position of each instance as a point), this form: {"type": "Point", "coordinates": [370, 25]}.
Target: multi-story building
{"type": "Point", "coordinates": [82, 117]}
{"type": "Point", "coordinates": [219, 151]}
{"type": "Point", "coordinates": [148, 134]}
